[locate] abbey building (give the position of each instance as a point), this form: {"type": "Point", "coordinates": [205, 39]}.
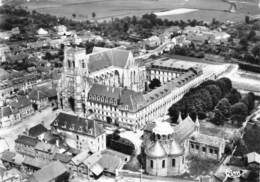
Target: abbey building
{"type": "Point", "coordinates": [111, 84]}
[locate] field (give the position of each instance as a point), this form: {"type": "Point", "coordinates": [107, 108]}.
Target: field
{"type": "Point", "coordinates": [106, 9]}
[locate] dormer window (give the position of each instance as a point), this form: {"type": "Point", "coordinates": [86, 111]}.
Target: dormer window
{"type": "Point", "coordinates": [89, 97]}
{"type": "Point", "coordinates": [102, 99]}
{"type": "Point", "coordinates": [126, 107]}
{"type": "Point", "coordinates": [94, 97]}
{"type": "Point", "coordinates": [72, 126]}
{"type": "Point", "coordinates": [64, 125]}
{"type": "Point", "coordinates": [106, 100]}
{"type": "Point", "coordinates": [55, 123]}
{"type": "Point", "coordinates": [80, 129]}
{"type": "Point", "coordinates": [98, 98]}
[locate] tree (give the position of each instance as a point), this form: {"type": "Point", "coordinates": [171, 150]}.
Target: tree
{"type": "Point", "coordinates": [233, 96]}
{"type": "Point", "coordinates": [256, 50]}
{"type": "Point", "coordinates": [224, 107]}
{"type": "Point", "coordinates": [215, 92]}
{"type": "Point", "coordinates": [155, 83]}
{"type": "Point", "coordinates": [251, 35]}
{"type": "Point", "coordinates": [239, 108]}
{"type": "Point", "coordinates": [93, 14]}
{"type": "Point", "coordinates": [247, 19]}
{"type": "Point", "coordinates": [218, 118]}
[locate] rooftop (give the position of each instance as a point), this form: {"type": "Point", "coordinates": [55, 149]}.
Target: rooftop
{"type": "Point", "coordinates": [26, 140]}
{"type": "Point", "coordinates": [37, 130]}
{"type": "Point", "coordinates": [77, 124]}
{"type": "Point", "coordinates": [49, 172]}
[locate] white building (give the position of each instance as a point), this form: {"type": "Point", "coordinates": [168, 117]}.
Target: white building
{"type": "Point", "coordinates": [88, 134]}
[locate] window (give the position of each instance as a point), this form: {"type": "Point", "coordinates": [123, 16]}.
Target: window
{"type": "Point", "coordinates": [69, 63]}
{"type": "Point", "coordinates": [173, 162]}
{"type": "Point", "coordinates": [163, 164]}
{"type": "Point", "coordinates": [197, 147]}
{"type": "Point", "coordinates": [83, 64]}
{"type": "Point", "coordinates": [73, 63]}
{"type": "Point", "coordinates": [215, 151]}
{"type": "Point", "coordinates": [211, 151]}
{"type": "Point", "coordinates": [77, 137]}
{"type": "Point", "coordinates": [151, 163]}
{"type": "Point", "coordinates": [192, 146]}
{"type": "Point", "coordinates": [203, 149]}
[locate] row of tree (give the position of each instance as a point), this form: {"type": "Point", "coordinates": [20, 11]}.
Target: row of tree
{"type": "Point", "coordinates": [236, 112]}
{"type": "Point", "coordinates": [201, 99]}
{"type": "Point", "coordinates": [217, 98]}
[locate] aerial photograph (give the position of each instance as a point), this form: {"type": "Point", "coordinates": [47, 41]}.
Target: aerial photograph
{"type": "Point", "coordinates": [129, 90]}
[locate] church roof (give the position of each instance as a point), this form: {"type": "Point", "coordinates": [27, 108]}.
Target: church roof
{"type": "Point", "coordinates": [107, 57]}
{"type": "Point", "coordinates": [156, 150]}
{"type": "Point", "coordinates": [105, 91]}
{"type": "Point", "coordinates": [134, 100]}
{"type": "Point", "coordinates": [184, 129]}
{"type": "Point", "coordinates": [175, 148]}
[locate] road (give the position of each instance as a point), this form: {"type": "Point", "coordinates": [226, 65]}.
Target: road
{"type": "Point", "coordinates": [10, 134]}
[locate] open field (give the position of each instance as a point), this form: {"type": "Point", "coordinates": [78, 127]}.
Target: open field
{"type": "Point", "coordinates": [106, 9]}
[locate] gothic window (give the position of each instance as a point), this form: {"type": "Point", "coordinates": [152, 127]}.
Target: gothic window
{"type": "Point", "coordinates": [163, 164]}
{"type": "Point", "coordinates": [69, 63]}
{"type": "Point", "coordinates": [83, 64]}
{"type": "Point", "coordinates": [151, 163]}
{"type": "Point", "coordinates": [173, 162]}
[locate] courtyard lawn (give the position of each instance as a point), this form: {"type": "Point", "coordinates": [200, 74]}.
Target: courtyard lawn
{"type": "Point", "coordinates": [198, 166]}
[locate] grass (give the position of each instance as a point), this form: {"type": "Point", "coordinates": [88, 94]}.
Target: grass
{"type": "Point", "coordinates": [198, 166]}
{"type": "Point", "coordinates": [104, 9]}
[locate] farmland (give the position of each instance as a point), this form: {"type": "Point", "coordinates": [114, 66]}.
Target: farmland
{"type": "Point", "coordinates": [107, 9]}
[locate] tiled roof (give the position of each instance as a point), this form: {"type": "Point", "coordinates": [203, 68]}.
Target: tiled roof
{"type": "Point", "coordinates": [5, 111]}
{"type": "Point", "coordinates": [21, 102]}
{"type": "Point", "coordinates": [81, 157]}
{"type": "Point", "coordinates": [184, 129]}
{"type": "Point", "coordinates": [34, 162]}
{"type": "Point", "coordinates": [26, 140]}
{"type": "Point", "coordinates": [37, 95]}
{"type": "Point", "coordinates": [37, 130]}
{"type": "Point", "coordinates": [64, 158]}
{"type": "Point", "coordinates": [134, 100]}
{"type": "Point", "coordinates": [208, 140]}
{"type": "Point", "coordinates": [156, 150]}
{"type": "Point", "coordinates": [77, 124]}
{"type": "Point", "coordinates": [45, 147]}
{"type": "Point", "coordinates": [8, 156]}
{"type": "Point", "coordinates": [49, 172]}
{"type": "Point", "coordinates": [105, 91]}
{"type": "Point", "coordinates": [110, 162]}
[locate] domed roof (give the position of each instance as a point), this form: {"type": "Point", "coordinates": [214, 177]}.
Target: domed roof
{"type": "Point", "coordinates": [175, 148]}
{"type": "Point", "coordinates": [163, 128]}
{"type": "Point", "coordinates": [156, 150]}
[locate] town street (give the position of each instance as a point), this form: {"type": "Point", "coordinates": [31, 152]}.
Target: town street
{"type": "Point", "coordinates": [10, 134]}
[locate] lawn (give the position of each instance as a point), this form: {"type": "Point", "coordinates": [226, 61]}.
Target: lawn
{"type": "Point", "coordinates": [198, 166]}
{"type": "Point", "coordinates": [104, 9]}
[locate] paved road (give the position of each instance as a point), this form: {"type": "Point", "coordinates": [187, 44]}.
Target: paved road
{"type": "Point", "coordinates": [10, 134]}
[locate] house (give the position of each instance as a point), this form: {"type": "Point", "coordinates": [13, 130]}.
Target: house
{"type": "Point", "coordinates": [45, 151]}
{"type": "Point", "coordinates": [25, 145]}
{"type": "Point", "coordinates": [41, 31]}
{"type": "Point", "coordinates": [53, 172]}
{"type": "Point", "coordinates": [4, 145]}
{"type": "Point", "coordinates": [31, 164]}
{"type": "Point", "coordinates": [4, 49]}
{"type": "Point", "coordinates": [37, 131]}
{"type": "Point", "coordinates": [88, 134]}
{"type": "Point", "coordinates": [61, 29]}
{"type": "Point", "coordinates": [76, 164]}
{"type": "Point", "coordinates": [11, 159]}
{"type": "Point", "coordinates": [8, 117]}
{"type": "Point", "coordinates": [152, 42]}
{"type": "Point", "coordinates": [22, 105]}
{"type": "Point", "coordinates": [253, 160]}
{"type": "Point", "coordinates": [38, 99]}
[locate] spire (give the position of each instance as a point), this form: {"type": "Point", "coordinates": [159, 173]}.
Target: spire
{"type": "Point", "coordinates": [179, 118]}
{"type": "Point", "coordinates": [197, 123]}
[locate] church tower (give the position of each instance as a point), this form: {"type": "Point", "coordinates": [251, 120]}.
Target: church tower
{"type": "Point", "coordinates": [73, 82]}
